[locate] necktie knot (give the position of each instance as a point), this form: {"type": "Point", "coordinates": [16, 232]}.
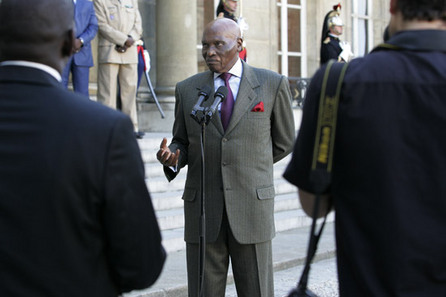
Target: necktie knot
{"type": "Point", "coordinates": [226, 76]}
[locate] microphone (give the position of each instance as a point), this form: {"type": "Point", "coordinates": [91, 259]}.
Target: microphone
{"type": "Point", "coordinates": [203, 95]}
{"type": "Point", "coordinates": [219, 97]}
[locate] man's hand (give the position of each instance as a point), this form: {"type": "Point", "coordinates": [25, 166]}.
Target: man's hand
{"type": "Point", "coordinates": [129, 42]}
{"type": "Point", "coordinates": [307, 201]}
{"type": "Point", "coordinates": [165, 156]}
{"type": "Point", "coordinates": [120, 49]}
{"type": "Point", "coordinates": [77, 45]}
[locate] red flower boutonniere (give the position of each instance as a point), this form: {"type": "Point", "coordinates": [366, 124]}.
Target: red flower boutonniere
{"type": "Point", "coordinates": [258, 108]}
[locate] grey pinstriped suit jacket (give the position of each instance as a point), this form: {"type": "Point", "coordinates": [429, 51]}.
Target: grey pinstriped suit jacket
{"type": "Point", "coordinates": [239, 162]}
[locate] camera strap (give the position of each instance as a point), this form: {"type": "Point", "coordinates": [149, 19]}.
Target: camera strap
{"type": "Point", "coordinates": [322, 163]}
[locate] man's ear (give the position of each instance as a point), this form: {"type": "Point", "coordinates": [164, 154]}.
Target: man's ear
{"type": "Point", "coordinates": [239, 44]}
{"type": "Point", "coordinates": [68, 44]}
{"type": "Point", "coordinates": [393, 6]}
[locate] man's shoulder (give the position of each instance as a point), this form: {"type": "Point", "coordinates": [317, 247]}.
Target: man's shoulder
{"type": "Point", "coordinates": [262, 74]}
{"type": "Point", "coordinates": [90, 108]}
{"type": "Point", "coordinates": [198, 78]}
{"type": "Point", "coordinates": [73, 106]}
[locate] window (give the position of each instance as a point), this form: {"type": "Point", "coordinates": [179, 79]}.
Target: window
{"type": "Point", "coordinates": [292, 45]}
{"type": "Point", "coordinates": [362, 27]}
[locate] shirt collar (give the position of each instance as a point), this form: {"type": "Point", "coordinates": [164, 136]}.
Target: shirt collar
{"type": "Point", "coordinates": [53, 72]}
{"type": "Point", "coordinates": [236, 70]}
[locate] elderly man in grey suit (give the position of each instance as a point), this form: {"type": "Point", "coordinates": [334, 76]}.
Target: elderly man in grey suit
{"type": "Point", "coordinates": [239, 195]}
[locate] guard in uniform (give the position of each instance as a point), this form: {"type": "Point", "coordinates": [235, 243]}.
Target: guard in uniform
{"type": "Point", "coordinates": [331, 46]}
{"type": "Point", "coordinates": [227, 9]}
{"type": "Point", "coordinates": [120, 26]}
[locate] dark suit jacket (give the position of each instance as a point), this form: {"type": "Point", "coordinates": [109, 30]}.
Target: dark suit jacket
{"type": "Point", "coordinates": [76, 218]}
{"type": "Point", "coordinates": [239, 161]}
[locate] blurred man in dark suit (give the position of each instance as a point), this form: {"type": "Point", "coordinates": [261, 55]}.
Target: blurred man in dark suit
{"type": "Point", "coordinates": [76, 218]}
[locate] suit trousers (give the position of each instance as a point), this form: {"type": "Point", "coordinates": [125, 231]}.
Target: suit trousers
{"type": "Point", "coordinates": [251, 265]}
{"type": "Point", "coordinates": [108, 76]}
{"type": "Point", "coordinates": [80, 77]}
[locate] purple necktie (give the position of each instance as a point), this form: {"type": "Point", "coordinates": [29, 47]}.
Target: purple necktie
{"type": "Point", "coordinates": [228, 103]}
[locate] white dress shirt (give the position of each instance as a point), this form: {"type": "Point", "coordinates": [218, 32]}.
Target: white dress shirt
{"type": "Point", "coordinates": [234, 81]}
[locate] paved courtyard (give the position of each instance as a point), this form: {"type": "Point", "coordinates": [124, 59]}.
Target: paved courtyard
{"type": "Point", "coordinates": [323, 280]}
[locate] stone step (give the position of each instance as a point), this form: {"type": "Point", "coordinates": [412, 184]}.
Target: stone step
{"type": "Point", "coordinates": [157, 182]}
{"type": "Point", "coordinates": [160, 184]}
{"type": "Point", "coordinates": [173, 239]}
{"type": "Point", "coordinates": [167, 200]}
{"type": "Point", "coordinates": [167, 195]}
{"type": "Point", "coordinates": [288, 215]}
{"type": "Point", "coordinates": [173, 217]}
{"type": "Point", "coordinates": [172, 199]}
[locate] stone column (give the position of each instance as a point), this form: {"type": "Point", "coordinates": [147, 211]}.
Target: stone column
{"type": "Point", "coordinates": [176, 41]}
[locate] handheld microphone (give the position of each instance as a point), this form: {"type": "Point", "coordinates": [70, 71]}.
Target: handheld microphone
{"type": "Point", "coordinates": [203, 95]}
{"type": "Point", "coordinates": [219, 97]}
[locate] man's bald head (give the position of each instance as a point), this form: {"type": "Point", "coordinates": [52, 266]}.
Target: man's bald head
{"type": "Point", "coordinates": [36, 31]}
{"type": "Point", "coordinates": [221, 44]}
{"type": "Point", "coordinates": [226, 25]}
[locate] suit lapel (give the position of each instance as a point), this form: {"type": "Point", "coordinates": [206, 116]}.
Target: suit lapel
{"type": "Point", "coordinates": [77, 9]}
{"type": "Point", "coordinates": [216, 120]}
{"type": "Point", "coordinates": [246, 95]}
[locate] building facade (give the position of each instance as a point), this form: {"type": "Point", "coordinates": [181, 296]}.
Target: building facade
{"type": "Point", "coordinates": [283, 35]}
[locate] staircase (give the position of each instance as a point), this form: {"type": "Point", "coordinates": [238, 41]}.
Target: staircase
{"type": "Point", "coordinates": [166, 197]}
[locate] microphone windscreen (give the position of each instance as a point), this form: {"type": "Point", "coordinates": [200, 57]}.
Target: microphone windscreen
{"type": "Point", "coordinates": [222, 91]}
{"type": "Point", "coordinates": [205, 90]}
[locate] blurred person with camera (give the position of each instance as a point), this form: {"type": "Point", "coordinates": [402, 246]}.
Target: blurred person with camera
{"type": "Point", "coordinates": [388, 185]}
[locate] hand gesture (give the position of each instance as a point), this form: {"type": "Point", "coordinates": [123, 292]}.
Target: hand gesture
{"type": "Point", "coordinates": [165, 156]}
